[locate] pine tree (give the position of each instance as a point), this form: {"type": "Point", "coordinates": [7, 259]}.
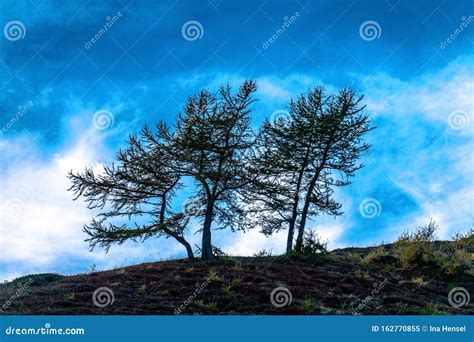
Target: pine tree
{"type": "Point", "coordinates": [212, 140]}
{"type": "Point", "coordinates": [141, 185]}
{"type": "Point", "coordinates": [300, 158]}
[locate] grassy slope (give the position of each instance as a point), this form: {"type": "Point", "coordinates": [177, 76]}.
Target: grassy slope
{"type": "Point", "coordinates": [243, 286]}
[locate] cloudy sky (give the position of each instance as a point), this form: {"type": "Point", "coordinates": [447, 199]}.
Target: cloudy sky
{"type": "Point", "coordinates": [77, 78]}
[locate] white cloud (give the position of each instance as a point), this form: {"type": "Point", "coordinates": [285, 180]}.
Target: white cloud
{"type": "Point", "coordinates": [41, 226]}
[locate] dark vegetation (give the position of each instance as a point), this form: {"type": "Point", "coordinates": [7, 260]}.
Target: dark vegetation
{"type": "Point", "coordinates": [413, 276]}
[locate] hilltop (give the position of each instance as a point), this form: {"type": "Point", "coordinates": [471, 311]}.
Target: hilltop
{"type": "Point", "coordinates": [346, 281]}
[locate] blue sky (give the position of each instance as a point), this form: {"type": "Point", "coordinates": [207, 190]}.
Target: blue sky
{"type": "Point", "coordinates": [413, 61]}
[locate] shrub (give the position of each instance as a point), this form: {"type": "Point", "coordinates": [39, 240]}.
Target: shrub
{"type": "Point", "coordinates": [213, 276]}
{"type": "Point", "coordinates": [211, 306]}
{"type": "Point", "coordinates": [375, 256]}
{"type": "Point", "coordinates": [69, 296]}
{"type": "Point", "coordinates": [353, 256]}
{"type": "Point", "coordinates": [454, 259]}
{"type": "Point", "coordinates": [420, 249]}
{"type": "Point", "coordinates": [236, 280]}
{"type": "Point", "coordinates": [307, 305]}
{"type": "Point", "coordinates": [432, 310]}
{"type": "Point", "coordinates": [415, 249]}
{"type": "Point", "coordinates": [419, 281]}
{"type": "Point", "coordinates": [263, 253]}
{"type": "Point", "coordinates": [312, 248]}
{"type": "Point", "coordinates": [227, 289]}
{"type": "Point", "coordinates": [142, 288]}
{"type": "Point", "coordinates": [465, 240]}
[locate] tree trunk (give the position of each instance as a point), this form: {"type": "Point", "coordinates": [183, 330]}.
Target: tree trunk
{"type": "Point", "coordinates": [186, 245]}
{"type": "Point", "coordinates": [304, 213]}
{"type": "Point", "coordinates": [294, 214]}
{"type": "Point", "coordinates": [312, 184]}
{"type": "Point", "coordinates": [206, 247]}
{"type": "Point", "coordinates": [291, 233]}
{"type": "Point", "coordinates": [182, 241]}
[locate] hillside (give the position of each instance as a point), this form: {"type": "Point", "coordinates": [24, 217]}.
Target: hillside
{"type": "Point", "coordinates": [347, 281]}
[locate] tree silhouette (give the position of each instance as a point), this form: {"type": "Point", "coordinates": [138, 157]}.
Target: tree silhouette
{"type": "Point", "coordinates": [302, 157]}
{"type": "Point", "coordinates": [142, 184]}
{"type": "Point", "coordinates": [275, 180]}
{"type": "Point", "coordinates": [209, 143]}
{"type": "Point", "coordinates": [212, 141]}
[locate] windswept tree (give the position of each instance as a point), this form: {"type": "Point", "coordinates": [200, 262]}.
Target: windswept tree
{"type": "Point", "coordinates": [212, 140]}
{"type": "Point", "coordinates": [209, 143]}
{"type": "Point", "coordinates": [138, 188]}
{"type": "Point", "coordinates": [302, 157]}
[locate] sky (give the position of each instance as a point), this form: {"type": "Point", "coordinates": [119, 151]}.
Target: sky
{"type": "Point", "coordinates": [76, 78]}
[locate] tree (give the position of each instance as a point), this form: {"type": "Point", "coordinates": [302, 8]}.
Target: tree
{"type": "Point", "coordinates": [140, 187]}
{"type": "Point", "coordinates": [212, 140]}
{"type": "Point", "coordinates": [302, 157]}
{"type": "Point", "coordinates": [209, 143]}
